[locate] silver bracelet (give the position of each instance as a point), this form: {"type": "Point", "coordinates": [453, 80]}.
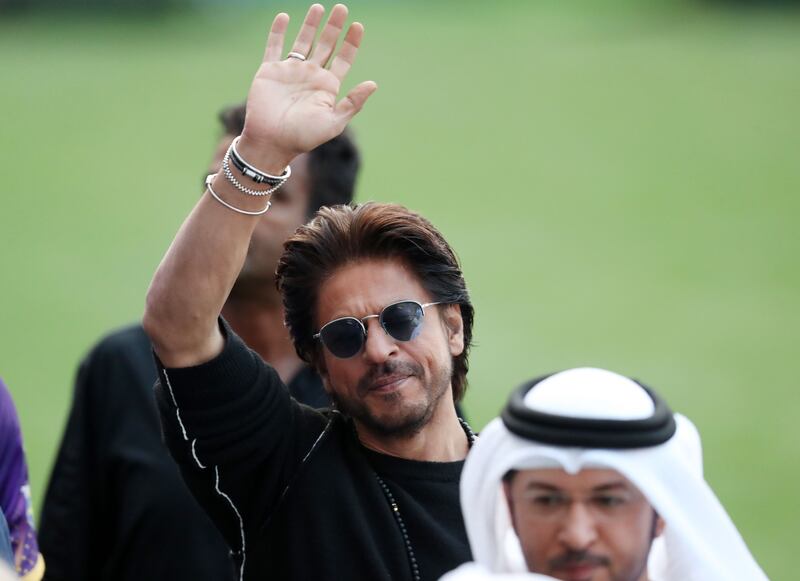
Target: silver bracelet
{"type": "Point", "coordinates": [226, 169]}
{"type": "Point", "coordinates": [253, 172]}
{"type": "Point", "coordinates": [210, 178]}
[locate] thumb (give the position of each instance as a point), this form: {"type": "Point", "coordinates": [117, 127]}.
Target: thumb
{"type": "Point", "coordinates": [346, 109]}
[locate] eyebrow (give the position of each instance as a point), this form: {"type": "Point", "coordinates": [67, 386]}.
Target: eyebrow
{"type": "Point", "coordinates": [610, 486]}
{"type": "Point", "coordinates": [600, 488]}
{"type": "Point", "coordinates": [542, 485]}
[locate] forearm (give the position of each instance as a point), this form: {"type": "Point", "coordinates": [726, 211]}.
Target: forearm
{"type": "Point", "coordinates": [196, 275]}
{"type": "Point", "coordinates": [291, 108]}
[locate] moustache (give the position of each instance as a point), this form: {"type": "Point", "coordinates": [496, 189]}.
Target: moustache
{"type": "Point", "coordinates": [577, 559]}
{"type": "Point", "coordinates": [387, 369]}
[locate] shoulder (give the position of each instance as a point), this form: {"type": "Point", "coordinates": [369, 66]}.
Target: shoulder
{"type": "Point", "coordinates": [324, 435]}
{"type": "Point", "coordinates": [126, 341]}
{"type": "Point", "coordinates": [120, 362]}
{"type": "Point", "coordinates": [9, 422]}
{"type": "Point", "coordinates": [475, 572]}
{"type": "Point", "coordinates": [5, 396]}
{"type": "Point", "coordinates": [468, 572]}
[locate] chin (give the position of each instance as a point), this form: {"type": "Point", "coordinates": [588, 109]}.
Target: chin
{"type": "Point", "coordinates": [396, 428]}
{"type": "Point", "coordinates": [395, 419]}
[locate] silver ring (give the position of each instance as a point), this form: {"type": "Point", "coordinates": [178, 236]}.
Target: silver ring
{"type": "Point", "coordinates": [296, 55]}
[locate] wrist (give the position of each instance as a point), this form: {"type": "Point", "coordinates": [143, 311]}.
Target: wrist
{"type": "Point", "coordinates": [264, 155]}
{"type": "Point", "coordinates": [228, 195]}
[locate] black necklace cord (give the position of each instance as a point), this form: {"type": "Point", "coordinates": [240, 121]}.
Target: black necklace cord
{"type": "Point", "coordinates": [398, 517]}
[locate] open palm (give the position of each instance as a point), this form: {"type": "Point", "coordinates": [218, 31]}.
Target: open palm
{"type": "Point", "coordinates": [292, 104]}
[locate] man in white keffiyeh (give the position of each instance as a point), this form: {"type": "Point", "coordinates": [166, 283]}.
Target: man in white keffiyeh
{"type": "Point", "coordinates": [588, 476]}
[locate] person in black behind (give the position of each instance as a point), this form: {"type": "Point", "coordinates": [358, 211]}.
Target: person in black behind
{"type": "Point", "coordinates": [116, 507]}
{"type": "Point", "coordinates": [375, 301]}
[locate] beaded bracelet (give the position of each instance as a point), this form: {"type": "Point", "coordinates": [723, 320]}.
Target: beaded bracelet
{"type": "Point", "coordinates": [210, 178]}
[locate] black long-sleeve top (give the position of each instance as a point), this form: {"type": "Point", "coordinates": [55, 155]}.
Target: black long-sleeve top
{"type": "Point", "coordinates": [293, 490]}
{"type": "Point", "coordinates": [116, 507]}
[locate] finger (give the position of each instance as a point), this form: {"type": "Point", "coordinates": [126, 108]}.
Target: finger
{"type": "Point", "coordinates": [354, 101]}
{"type": "Point", "coordinates": [330, 35]}
{"type": "Point", "coordinates": [347, 53]}
{"type": "Point", "coordinates": [305, 38]}
{"type": "Point", "coordinates": [274, 47]}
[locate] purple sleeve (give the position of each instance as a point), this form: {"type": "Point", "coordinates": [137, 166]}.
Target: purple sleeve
{"type": "Point", "coordinates": [15, 498]}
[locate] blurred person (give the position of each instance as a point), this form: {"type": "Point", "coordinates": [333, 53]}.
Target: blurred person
{"type": "Point", "coordinates": [15, 495]}
{"type": "Point", "coordinates": [116, 507]}
{"type": "Point", "coordinates": [375, 301]}
{"type": "Point", "coordinates": [589, 476]}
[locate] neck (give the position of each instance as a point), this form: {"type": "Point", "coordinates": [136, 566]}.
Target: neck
{"type": "Point", "coordinates": [442, 439]}
{"type": "Point", "coordinates": [261, 327]}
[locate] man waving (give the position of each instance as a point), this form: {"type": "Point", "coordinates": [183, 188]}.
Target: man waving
{"type": "Point", "coordinates": [375, 301]}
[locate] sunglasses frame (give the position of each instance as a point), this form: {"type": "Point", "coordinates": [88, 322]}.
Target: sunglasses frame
{"type": "Point", "coordinates": [379, 316]}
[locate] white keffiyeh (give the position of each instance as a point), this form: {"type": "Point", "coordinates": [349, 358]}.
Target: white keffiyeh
{"type": "Point", "coordinates": [699, 542]}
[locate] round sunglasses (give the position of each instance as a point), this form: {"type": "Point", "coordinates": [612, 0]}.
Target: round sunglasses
{"type": "Point", "coordinates": [345, 337]}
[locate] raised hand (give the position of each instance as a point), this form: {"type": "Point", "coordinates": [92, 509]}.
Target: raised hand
{"type": "Point", "coordinates": [292, 104]}
{"type": "Point", "coordinates": [292, 108]}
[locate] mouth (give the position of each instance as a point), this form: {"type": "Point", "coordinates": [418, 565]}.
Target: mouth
{"type": "Point", "coordinates": [388, 383]}
{"type": "Point", "coordinates": [577, 571]}
{"type": "Point", "coordinates": [388, 378]}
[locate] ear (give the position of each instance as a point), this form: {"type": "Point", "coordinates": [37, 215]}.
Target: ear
{"type": "Point", "coordinates": [454, 327]}
{"type": "Point", "coordinates": [509, 501]}
{"type": "Point", "coordinates": [658, 526]}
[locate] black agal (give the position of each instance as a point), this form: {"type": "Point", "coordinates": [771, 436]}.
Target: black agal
{"type": "Point", "coordinates": [584, 432]}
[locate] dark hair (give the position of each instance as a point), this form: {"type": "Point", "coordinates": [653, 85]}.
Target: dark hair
{"type": "Point", "coordinates": [332, 167]}
{"type": "Point", "coordinates": [342, 235]}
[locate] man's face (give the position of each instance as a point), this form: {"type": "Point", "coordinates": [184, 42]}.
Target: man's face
{"type": "Point", "coordinates": [390, 387]}
{"type": "Point", "coordinates": [289, 210]}
{"type": "Point", "coordinates": [590, 526]}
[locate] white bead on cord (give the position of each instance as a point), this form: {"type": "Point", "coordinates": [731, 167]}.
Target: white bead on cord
{"type": "Point", "coordinates": [210, 178]}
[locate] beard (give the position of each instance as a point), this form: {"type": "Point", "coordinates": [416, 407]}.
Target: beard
{"type": "Point", "coordinates": [400, 418]}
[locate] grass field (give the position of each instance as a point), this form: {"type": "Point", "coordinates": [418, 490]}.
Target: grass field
{"type": "Point", "coordinates": [620, 181]}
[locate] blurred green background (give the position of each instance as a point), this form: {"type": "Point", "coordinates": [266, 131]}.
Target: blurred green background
{"type": "Point", "coordinates": [620, 179]}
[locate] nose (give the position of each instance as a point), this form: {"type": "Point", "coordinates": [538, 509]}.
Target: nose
{"type": "Point", "coordinates": [378, 345]}
{"type": "Point", "coordinates": [579, 529]}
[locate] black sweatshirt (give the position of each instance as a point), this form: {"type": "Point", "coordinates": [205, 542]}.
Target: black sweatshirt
{"type": "Point", "coordinates": [292, 489]}
{"type": "Point", "coordinates": [116, 507]}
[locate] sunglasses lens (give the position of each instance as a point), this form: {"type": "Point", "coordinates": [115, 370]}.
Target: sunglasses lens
{"type": "Point", "coordinates": [403, 321]}
{"type": "Point", "coordinates": [343, 338]}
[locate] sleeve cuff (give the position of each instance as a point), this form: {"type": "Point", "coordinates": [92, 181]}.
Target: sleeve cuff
{"type": "Point", "coordinates": [220, 411]}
